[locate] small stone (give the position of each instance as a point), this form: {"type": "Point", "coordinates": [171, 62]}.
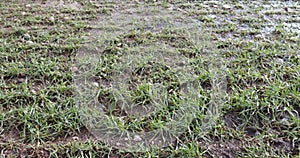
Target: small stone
{"type": "Point", "coordinates": [95, 84]}
{"type": "Point", "coordinates": [21, 80]}
{"type": "Point", "coordinates": [212, 16]}
{"type": "Point", "coordinates": [26, 36]}
{"type": "Point", "coordinates": [279, 60]}
{"type": "Point", "coordinates": [226, 6]}
{"type": "Point", "coordinates": [51, 19]}
{"type": "Point", "coordinates": [33, 91]}
{"type": "Point", "coordinates": [23, 13]}
{"type": "Point", "coordinates": [137, 138]}
{"type": "Point", "coordinates": [29, 42]}
{"type": "Point", "coordinates": [27, 5]}
{"type": "Point", "coordinates": [120, 44]}
{"type": "Point", "coordinates": [213, 2]}
{"type": "Point", "coordinates": [74, 69]}
{"type": "Point", "coordinates": [258, 36]}
{"type": "Point", "coordinates": [66, 18]}
{"type": "Point", "coordinates": [75, 138]}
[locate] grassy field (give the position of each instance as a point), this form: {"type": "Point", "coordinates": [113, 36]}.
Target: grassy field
{"type": "Point", "coordinates": [230, 71]}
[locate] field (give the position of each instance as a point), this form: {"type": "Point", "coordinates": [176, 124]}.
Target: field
{"type": "Point", "coordinates": [149, 78]}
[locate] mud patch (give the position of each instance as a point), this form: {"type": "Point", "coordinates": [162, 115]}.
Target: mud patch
{"type": "Point", "coordinates": [230, 148]}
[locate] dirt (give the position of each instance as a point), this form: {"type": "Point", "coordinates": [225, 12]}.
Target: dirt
{"type": "Point", "coordinates": [228, 149]}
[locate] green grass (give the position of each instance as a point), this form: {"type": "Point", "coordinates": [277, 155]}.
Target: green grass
{"type": "Point", "coordinates": [245, 65]}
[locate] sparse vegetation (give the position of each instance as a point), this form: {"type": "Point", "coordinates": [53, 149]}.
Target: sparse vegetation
{"type": "Point", "coordinates": [252, 48]}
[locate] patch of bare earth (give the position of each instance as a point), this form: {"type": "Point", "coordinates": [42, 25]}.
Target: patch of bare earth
{"type": "Point", "coordinates": [223, 149]}
{"type": "Point", "coordinates": [11, 144]}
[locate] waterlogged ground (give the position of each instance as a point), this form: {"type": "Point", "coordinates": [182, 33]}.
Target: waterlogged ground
{"type": "Point", "coordinates": [242, 58]}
